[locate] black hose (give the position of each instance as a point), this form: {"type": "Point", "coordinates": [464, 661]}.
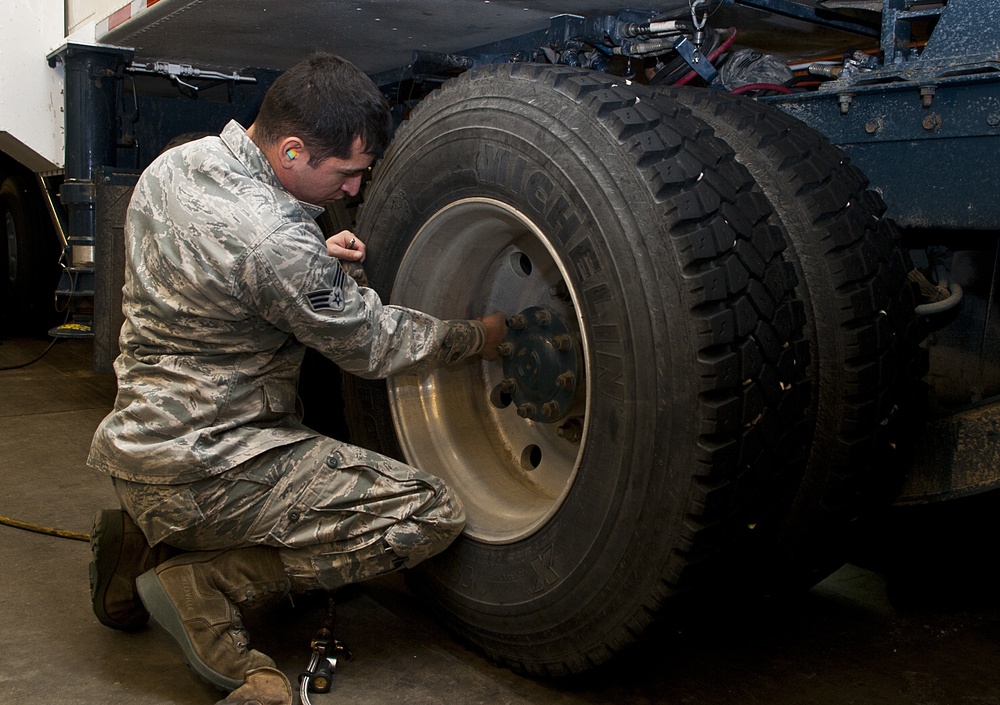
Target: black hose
{"type": "Point", "coordinates": [31, 362]}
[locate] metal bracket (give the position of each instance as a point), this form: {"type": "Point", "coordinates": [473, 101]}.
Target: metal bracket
{"type": "Point", "coordinates": [695, 59]}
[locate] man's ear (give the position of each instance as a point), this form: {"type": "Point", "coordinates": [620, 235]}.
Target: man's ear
{"type": "Point", "coordinates": [291, 149]}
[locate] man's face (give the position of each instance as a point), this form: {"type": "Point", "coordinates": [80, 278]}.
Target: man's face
{"type": "Point", "coordinates": [329, 180]}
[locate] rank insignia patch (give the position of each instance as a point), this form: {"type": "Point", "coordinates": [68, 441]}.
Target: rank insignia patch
{"type": "Point", "coordinates": [329, 299]}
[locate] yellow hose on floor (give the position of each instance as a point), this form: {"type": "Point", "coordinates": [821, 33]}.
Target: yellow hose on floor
{"type": "Point", "coordinates": [61, 533]}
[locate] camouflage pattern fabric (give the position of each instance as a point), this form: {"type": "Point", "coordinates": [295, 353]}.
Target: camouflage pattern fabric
{"type": "Point", "coordinates": [227, 280]}
{"type": "Point", "coordinates": [461, 338]}
{"type": "Point", "coordinates": [338, 514]}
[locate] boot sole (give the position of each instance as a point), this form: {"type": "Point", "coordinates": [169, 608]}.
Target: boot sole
{"type": "Point", "coordinates": [108, 528]}
{"type": "Point", "coordinates": [155, 598]}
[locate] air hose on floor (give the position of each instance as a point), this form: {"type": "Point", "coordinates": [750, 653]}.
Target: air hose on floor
{"type": "Point", "coordinates": [49, 531]}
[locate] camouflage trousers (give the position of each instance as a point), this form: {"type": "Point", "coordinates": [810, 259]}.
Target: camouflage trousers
{"type": "Point", "coordinates": [337, 513]}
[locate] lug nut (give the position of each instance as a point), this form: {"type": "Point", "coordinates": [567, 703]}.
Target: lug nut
{"type": "Point", "coordinates": [505, 349]}
{"type": "Point", "coordinates": [551, 409]}
{"type": "Point", "coordinates": [559, 290]}
{"type": "Point", "coordinates": [542, 317]}
{"type": "Point", "coordinates": [517, 322]}
{"type": "Point", "coordinates": [572, 430]}
{"type": "Point", "coordinates": [566, 381]}
{"type": "Point", "coordinates": [500, 397]}
{"type": "Point", "coordinates": [526, 411]}
{"type": "Point", "coordinates": [563, 342]}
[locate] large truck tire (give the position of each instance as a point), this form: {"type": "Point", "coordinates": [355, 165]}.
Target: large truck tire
{"type": "Point", "coordinates": [863, 332]}
{"type": "Point", "coordinates": [29, 273]}
{"type": "Point", "coordinates": [522, 186]}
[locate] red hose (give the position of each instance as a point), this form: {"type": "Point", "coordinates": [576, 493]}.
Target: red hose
{"type": "Point", "coordinates": [761, 87]}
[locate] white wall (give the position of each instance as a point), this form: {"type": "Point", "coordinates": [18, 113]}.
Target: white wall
{"type": "Point", "coordinates": [31, 93]}
{"type": "Point", "coordinates": [83, 15]}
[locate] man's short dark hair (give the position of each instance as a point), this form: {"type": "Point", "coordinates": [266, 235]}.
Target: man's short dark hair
{"type": "Point", "coordinates": [327, 102]}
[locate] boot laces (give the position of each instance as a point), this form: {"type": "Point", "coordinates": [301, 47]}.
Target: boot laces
{"type": "Point", "coordinates": [240, 635]}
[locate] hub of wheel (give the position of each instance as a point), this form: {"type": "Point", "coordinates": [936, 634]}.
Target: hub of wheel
{"type": "Point", "coordinates": [540, 366]}
{"type": "Point", "coordinates": [471, 424]}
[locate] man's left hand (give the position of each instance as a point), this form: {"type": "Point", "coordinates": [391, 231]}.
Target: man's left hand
{"type": "Point", "coordinates": [496, 330]}
{"type": "Point", "coordinates": [345, 245]}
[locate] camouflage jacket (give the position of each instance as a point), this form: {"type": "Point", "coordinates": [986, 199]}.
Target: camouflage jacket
{"type": "Point", "coordinates": [227, 280]}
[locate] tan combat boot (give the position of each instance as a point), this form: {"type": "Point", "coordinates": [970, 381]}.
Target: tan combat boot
{"type": "Point", "coordinates": [197, 598]}
{"type": "Point", "coordinates": [264, 686]}
{"type": "Point", "coordinates": [121, 554]}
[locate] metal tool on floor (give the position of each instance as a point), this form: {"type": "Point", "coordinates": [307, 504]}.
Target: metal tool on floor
{"type": "Point", "coordinates": [327, 652]}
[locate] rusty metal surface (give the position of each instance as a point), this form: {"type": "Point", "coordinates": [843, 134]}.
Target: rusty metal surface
{"type": "Point", "coordinates": [956, 456]}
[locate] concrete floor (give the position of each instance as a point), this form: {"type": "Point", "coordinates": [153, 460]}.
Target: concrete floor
{"type": "Point", "coordinates": [936, 642]}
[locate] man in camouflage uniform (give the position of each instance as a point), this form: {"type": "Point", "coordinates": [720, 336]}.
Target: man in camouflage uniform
{"type": "Point", "coordinates": [228, 278]}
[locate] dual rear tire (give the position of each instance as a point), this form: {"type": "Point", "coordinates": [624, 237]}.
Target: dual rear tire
{"type": "Point", "coordinates": [682, 453]}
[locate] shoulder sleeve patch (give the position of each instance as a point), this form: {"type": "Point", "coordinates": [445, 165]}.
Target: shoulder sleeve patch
{"type": "Point", "coordinates": [331, 299]}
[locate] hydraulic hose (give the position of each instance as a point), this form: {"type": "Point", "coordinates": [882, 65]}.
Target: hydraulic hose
{"type": "Point", "coordinates": [761, 87]}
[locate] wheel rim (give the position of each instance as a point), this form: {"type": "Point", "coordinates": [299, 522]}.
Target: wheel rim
{"type": "Point", "coordinates": [472, 257]}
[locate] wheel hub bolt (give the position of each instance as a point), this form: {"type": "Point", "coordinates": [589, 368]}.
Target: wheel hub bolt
{"type": "Point", "coordinates": [505, 349]}
{"type": "Point", "coordinates": [526, 411]}
{"type": "Point", "coordinates": [559, 290]}
{"type": "Point", "coordinates": [542, 317]}
{"type": "Point", "coordinates": [572, 430]}
{"type": "Point", "coordinates": [551, 409]}
{"type": "Point", "coordinates": [566, 381]}
{"type": "Point", "coordinates": [517, 321]}
{"type": "Point", "coordinates": [501, 395]}
{"type": "Point", "coordinates": [563, 342]}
